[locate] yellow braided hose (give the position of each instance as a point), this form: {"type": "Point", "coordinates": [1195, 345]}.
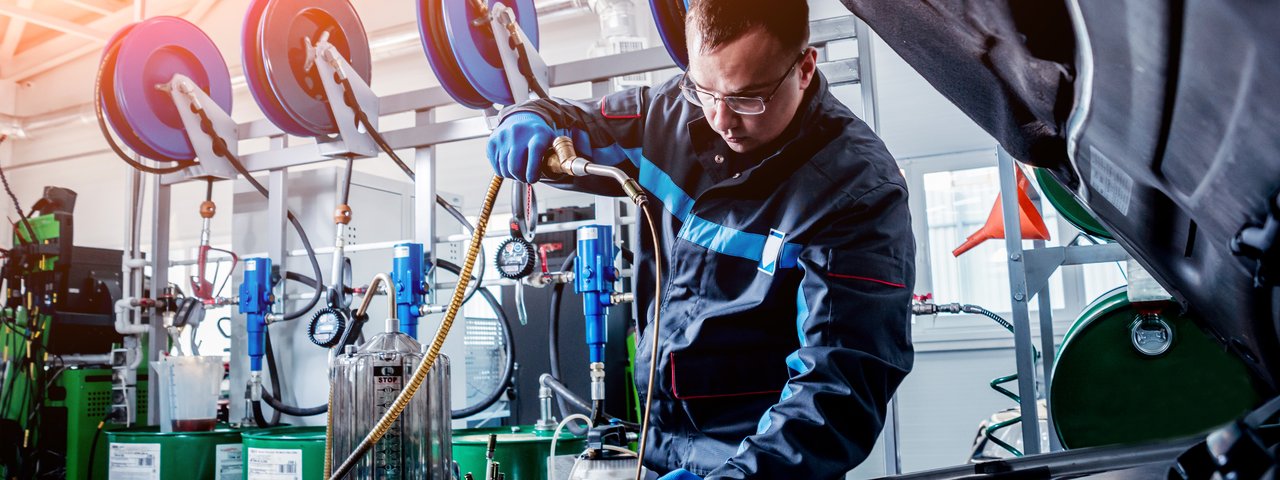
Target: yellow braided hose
{"type": "Point", "coordinates": [328, 429]}
{"type": "Point", "coordinates": [459, 293]}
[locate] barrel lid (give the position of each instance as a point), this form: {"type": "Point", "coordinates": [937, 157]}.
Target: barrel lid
{"type": "Point", "coordinates": [514, 434]}
{"type": "Point", "coordinates": [287, 433]}
{"type": "Point", "coordinates": [152, 432]}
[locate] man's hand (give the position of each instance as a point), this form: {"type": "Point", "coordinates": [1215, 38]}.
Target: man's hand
{"type": "Point", "coordinates": [516, 147]}
{"type": "Point", "coordinates": [680, 474]}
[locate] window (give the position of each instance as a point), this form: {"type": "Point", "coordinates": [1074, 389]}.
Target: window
{"type": "Point", "coordinates": [957, 205]}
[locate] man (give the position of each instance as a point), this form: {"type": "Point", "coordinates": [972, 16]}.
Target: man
{"type": "Point", "coordinates": [786, 245]}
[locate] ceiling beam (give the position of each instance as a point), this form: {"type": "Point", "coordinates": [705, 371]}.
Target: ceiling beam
{"type": "Point", "coordinates": [13, 34]}
{"type": "Point", "coordinates": [56, 51]}
{"type": "Point", "coordinates": [52, 22]}
{"type": "Point", "coordinates": [88, 6]}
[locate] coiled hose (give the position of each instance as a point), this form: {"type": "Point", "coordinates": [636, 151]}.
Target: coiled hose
{"type": "Point", "coordinates": [437, 343]}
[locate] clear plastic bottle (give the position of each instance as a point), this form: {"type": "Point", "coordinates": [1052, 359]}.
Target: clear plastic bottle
{"type": "Point", "coordinates": [365, 382]}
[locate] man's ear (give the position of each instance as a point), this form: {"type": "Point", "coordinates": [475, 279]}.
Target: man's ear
{"type": "Point", "coordinates": [808, 67]}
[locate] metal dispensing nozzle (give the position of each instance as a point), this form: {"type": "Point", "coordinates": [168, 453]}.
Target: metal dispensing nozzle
{"type": "Point", "coordinates": [563, 159]}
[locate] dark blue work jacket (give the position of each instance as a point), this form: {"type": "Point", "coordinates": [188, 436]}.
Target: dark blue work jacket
{"type": "Point", "coordinates": [786, 287]}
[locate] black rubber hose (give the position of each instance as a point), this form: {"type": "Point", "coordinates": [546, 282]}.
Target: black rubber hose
{"type": "Point", "coordinates": [563, 391]}
{"type": "Point", "coordinates": [93, 446]}
{"type": "Point", "coordinates": [508, 367]}
{"type": "Point", "coordinates": [258, 418]}
{"type": "Point", "coordinates": [553, 329]}
{"type": "Point", "coordinates": [350, 99]}
{"type": "Point", "coordinates": [270, 397]}
{"type": "Point", "coordinates": [293, 220]}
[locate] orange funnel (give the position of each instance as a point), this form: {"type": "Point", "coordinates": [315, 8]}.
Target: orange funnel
{"type": "Point", "coordinates": [1032, 224]}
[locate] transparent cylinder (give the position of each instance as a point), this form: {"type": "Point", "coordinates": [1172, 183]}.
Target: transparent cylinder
{"type": "Point", "coordinates": [365, 382]}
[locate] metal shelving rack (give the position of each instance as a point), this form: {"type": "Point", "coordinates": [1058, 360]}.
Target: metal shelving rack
{"type": "Point", "coordinates": [422, 137]}
{"type": "Point", "coordinates": [1029, 273]}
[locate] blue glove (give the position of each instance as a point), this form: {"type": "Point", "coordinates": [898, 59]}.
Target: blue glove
{"type": "Point", "coordinates": [680, 474]}
{"type": "Point", "coordinates": [516, 147]}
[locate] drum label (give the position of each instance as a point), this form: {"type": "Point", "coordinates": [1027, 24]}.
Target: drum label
{"type": "Point", "coordinates": [274, 464]}
{"type": "Point", "coordinates": [134, 461]}
{"type": "Point", "coordinates": [229, 464]}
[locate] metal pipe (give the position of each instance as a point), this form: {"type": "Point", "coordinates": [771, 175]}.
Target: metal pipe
{"type": "Point", "coordinates": [84, 359]}
{"type": "Point", "coordinates": [378, 281]}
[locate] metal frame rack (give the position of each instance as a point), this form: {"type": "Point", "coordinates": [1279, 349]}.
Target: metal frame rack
{"type": "Point", "coordinates": [1029, 272]}
{"type": "Point", "coordinates": [423, 136]}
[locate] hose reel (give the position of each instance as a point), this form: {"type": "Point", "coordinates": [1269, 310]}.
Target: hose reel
{"type": "Point", "coordinates": [668, 16]}
{"type": "Point", "coordinates": [165, 90]}
{"type": "Point", "coordinates": [468, 43]}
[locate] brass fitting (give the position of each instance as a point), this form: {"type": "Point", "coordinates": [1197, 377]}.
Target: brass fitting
{"type": "Point", "coordinates": [560, 157]}
{"type": "Point", "coordinates": [208, 209]}
{"type": "Point", "coordinates": [342, 215]}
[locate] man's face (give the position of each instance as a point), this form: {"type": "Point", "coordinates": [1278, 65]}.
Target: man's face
{"type": "Point", "coordinates": [750, 66]}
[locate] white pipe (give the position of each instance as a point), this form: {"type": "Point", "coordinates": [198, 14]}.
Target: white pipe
{"type": "Point", "coordinates": [123, 325]}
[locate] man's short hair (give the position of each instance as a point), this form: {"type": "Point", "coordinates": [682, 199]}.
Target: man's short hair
{"type": "Point", "coordinates": [718, 22]}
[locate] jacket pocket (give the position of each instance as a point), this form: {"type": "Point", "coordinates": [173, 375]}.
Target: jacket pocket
{"type": "Point", "coordinates": [725, 393]}
{"type": "Point", "coordinates": [871, 268]}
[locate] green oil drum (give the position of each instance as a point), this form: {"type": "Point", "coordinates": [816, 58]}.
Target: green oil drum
{"type": "Point", "coordinates": [146, 453]}
{"type": "Point", "coordinates": [1066, 204]}
{"type": "Point", "coordinates": [521, 451]}
{"type": "Point", "coordinates": [1112, 384]}
{"type": "Point", "coordinates": [284, 453]}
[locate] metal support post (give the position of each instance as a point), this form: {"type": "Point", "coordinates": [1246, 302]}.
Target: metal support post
{"type": "Point", "coordinates": [277, 242]}
{"type": "Point", "coordinates": [1022, 340]}
{"type": "Point", "coordinates": [1048, 348]}
{"type": "Point", "coordinates": [159, 337]}
{"type": "Point", "coordinates": [424, 198]}
{"type": "Point", "coordinates": [892, 459]}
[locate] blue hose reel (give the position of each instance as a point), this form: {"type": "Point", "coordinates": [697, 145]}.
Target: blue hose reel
{"type": "Point", "coordinates": [668, 15]}
{"type": "Point", "coordinates": [281, 71]}
{"type": "Point", "coordinates": [463, 49]}
{"type": "Point", "coordinates": [149, 53]}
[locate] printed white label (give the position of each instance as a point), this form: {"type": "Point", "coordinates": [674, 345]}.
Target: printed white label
{"type": "Point", "coordinates": [250, 266]}
{"type": "Point", "coordinates": [274, 464]}
{"type": "Point", "coordinates": [1110, 181]}
{"type": "Point", "coordinates": [588, 233]}
{"type": "Point", "coordinates": [134, 461]}
{"type": "Point", "coordinates": [402, 252]}
{"type": "Point", "coordinates": [229, 465]}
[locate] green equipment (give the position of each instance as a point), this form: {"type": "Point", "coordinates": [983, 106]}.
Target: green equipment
{"type": "Point", "coordinates": [56, 336]}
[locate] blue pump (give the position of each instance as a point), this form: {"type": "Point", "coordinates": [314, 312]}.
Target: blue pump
{"type": "Point", "coordinates": [255, 303]}
{"type": "Point", "coordinates": [593, 279]}
{"type": "Point", "coordinates": [407, 267]}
